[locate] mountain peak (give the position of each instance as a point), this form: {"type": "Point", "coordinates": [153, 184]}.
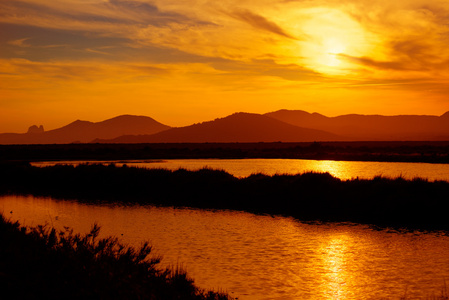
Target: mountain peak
{"type": "Point", "coordinates": [34, 129]}
{"type": "Point", "coordinates": [445, 115]}
{"type": "Point", "coordinates": [127, 116]}
{"type": "Point", "coordinates": [289, 111]}
{"type": "Point", "coordinates": [242, 115]}
{"type": "Point", "coordinates": [78, 122]}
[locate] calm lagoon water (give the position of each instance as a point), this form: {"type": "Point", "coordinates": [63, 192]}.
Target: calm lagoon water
{"type": "Point", "coordinates": [340, 169]}
{"type": "Point", "coordinates": [263, 257]}
{"type": "Point", "coordinates": [268, 257]}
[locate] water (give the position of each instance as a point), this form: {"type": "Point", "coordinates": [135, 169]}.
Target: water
{"type": "Point", "coordinates": [340, 169]}
{"type": "Point", "coordinates": [263, 257]}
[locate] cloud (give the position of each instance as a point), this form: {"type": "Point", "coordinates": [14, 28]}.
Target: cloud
{"type": "Point", "coordinates": [260, 22]}
{"type": "Point", "coordinates": [144, 13]}
{"type": "Point", "coordinates": [48, 44]}
{"type": "Point", "coordinates": [404, 36]}
{"type": "Point", "coordinates": [269, 68]}
{"type": "Point", "coordinates": [20, 43]}
{"type": "Point", "coordinates": [46, 70]}
{"type": "Point", "coordinates": [112, 17]}
{"type": "Point", "coordinates": [82, 30]}
{"type": "Point", "coordinates": [383, 65]}
{"type": "Point", "coordinates": [51, 16]}
{"type": "Point", "coordinates": [408, 51]}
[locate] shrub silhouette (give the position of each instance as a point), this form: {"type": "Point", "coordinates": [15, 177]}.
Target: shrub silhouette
{"type": "Point", "coordinates": [42, 263]}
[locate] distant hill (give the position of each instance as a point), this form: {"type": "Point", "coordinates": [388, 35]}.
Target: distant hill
{"type": "Point", "coordinates": [239, 127]}
{"type": "Point", "coordinates": [85, 131]}
{"type": "Point", "coordinates": [278, 126]}
{"type": "Point", "coordinates": [372, 127]}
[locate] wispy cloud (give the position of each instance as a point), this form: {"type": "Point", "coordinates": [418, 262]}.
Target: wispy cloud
{"type": "Point", "coordinates": [382, 65]}
{"type": "Point", "coordinates": [260, 22]}
{"type": "Point", "coordinates": [19, 42]}
{"type": "Point", "coordinates": [114, 17]}
{"type": "Point", "coordinates": [413, 34]}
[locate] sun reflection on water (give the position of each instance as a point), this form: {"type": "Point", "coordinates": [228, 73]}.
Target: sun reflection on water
{"type": "Point", "coordinates": [335, 168]}
{"type": "Point", "coordinates": [336, 260]}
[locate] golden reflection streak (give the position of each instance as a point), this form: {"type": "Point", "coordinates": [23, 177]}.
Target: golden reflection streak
{"type": "Point", "coordinates": [338, 280]}
{"type": "Point", "coordinates": [335, 168]}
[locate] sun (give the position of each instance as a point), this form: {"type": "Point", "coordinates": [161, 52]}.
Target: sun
{"type": "Point", "coordinates": [331, 36]}
{"type": "Point", "coordinates": [332, 47]}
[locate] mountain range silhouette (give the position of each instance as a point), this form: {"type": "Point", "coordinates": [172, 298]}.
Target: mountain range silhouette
{"type": "Point", "coordinates": [372, 127]}
{"type": "Point", "coordinates": [239, 127]}
{"type": "Point", "coordinates": [85, 131]}
{"type": "Point", "coordinates": [278, 126]}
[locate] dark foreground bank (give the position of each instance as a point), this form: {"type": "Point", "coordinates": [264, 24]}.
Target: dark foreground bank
{"type": "Point", "coordinates": [42, 263]}
{"type": "Point", "coordinates": [310, 196]}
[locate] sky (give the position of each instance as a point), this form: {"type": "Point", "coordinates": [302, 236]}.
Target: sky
{"type": "Point", "coordinates": [182, 62]}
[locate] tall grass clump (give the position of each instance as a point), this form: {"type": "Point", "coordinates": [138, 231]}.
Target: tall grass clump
{"type": "Point", "coordinates": [44, 263]}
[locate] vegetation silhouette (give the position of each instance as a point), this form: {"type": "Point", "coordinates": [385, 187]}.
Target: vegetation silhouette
{"type": "Point", "coordinates": [42, 263]}
{"type": "Point", "coordinates": [397, 202]}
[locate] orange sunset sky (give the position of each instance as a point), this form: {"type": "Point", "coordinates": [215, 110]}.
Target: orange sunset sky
{"type": "Point", "coordinates": [187, 61]}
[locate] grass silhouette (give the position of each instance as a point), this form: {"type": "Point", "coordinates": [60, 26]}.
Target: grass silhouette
{"type": "Point", "coordinates": [381, 201]}
{"type": "Point", "coordinates": [42, 263]}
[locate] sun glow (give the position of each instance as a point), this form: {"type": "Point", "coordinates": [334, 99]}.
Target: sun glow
{"type": "Point", "coordinates": [331, 36]}
{"type": "Point", "coordinates": [333, 47]}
